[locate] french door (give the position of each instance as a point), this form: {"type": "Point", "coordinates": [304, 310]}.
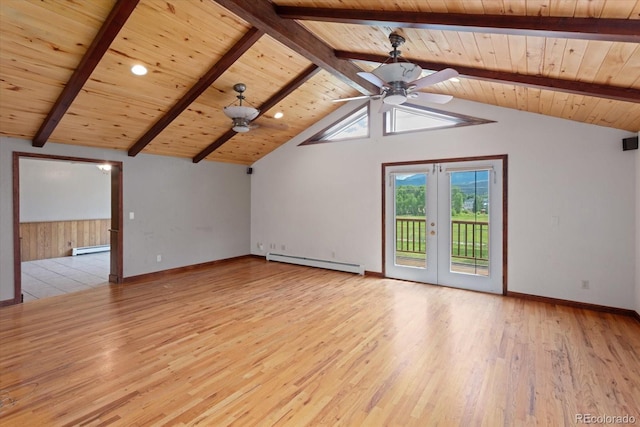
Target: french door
{"type": "Point", "coordinates": [444, 223]}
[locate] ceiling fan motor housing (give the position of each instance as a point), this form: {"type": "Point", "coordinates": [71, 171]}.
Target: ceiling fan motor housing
{"type": "Point", "coordinates": [396, 94]}
{"type": "Point", "coordinates": [241, 124]}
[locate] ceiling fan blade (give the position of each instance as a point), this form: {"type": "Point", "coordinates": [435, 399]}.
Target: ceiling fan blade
{"type": "Point", "coordinates": [353, 98]}
{"type": "Point", "coordinates": [372, 78]}
{"type": "Point", "coordinates": [436, 98]}
{"type": "Point", "coordinates": [434, 78]}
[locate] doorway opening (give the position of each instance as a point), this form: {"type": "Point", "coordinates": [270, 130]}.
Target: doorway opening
{"type": "Point", "coordinates": [112, 228]}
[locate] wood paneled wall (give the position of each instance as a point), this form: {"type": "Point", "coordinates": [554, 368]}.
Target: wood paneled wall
{"type": "Point", "coordinates": [52, 239]}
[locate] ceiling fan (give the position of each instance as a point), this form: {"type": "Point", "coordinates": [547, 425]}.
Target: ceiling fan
{"type": "Point", "coordinates": [243, 116]}
{"type": "Point", "coordinates": [399, 81]}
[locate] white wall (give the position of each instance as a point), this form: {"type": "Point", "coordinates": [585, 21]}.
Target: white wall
{"type": "Point", "coordinates": [62, 191]}
{"type": "Point", "coordinates": [188, 213]}
{"type": "Point", "coordinates": [325, 198]}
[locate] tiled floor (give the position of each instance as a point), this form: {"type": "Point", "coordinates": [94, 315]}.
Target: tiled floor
{"type": "Point", "coordinates": [56, 276]}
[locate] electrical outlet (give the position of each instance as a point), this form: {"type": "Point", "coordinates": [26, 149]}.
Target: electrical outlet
{"type": "Point", "coordinates": [283, 247]}
{"type": "Point", "coordinates": [158, 258]}
{"type": "Point", "coordinates": [585, 284]}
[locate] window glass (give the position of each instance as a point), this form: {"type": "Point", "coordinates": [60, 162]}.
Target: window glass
{"type": "Point", "coordinates": [353, 126]}
{"type": "Point", "coordinates": [411, 118]}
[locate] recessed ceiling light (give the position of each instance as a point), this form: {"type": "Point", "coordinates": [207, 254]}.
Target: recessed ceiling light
{"type": "Point", "coordinates": [278, 115]}
{"type": "Point", "coordinates": [139, 70]}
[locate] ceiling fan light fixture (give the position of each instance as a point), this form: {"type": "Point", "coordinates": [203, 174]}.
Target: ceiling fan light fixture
{"type": "Point", "coordinates": [395, 96]}
{"type": "Point", "coordinates": [398, 72]}
{"type": "Point", "coordinates": [241, 115]}
{"type": "Point", "coordinates": [241, 112]}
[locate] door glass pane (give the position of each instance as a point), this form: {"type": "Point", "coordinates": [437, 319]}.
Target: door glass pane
{"type": "Point", "coordinates": [410, 212]}
{"type": "Point", "coordinates": [469, 223]}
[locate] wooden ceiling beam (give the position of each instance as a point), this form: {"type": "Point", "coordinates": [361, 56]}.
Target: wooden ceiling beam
{"type": "Point", "coordinates": [303, 77]}
{"type": "Point", "coordinates": [232, 55]}
{"type": "Point", "coordinates": [619, 30]}
{"type": "Point", "coordinates": [261, 14]}
{"type": "Point", "coordinates": [101, 42]}
{"type": "Point", "coordinates": [294, 84]}
{"type": "Point", "coordinates": [214, 146]}
{"type": "Point", "coordinates": [569, 86]}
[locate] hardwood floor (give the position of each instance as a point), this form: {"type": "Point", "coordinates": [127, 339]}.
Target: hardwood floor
{"type": "Point", "coordinates": [255, 343]}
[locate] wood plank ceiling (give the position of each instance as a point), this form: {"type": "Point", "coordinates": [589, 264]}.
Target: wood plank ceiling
{"type": "Point", "coordinates": [65, 65]}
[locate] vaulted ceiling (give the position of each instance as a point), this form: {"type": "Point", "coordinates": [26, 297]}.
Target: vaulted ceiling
{"type": "Point", "coordinates": [65, 65]}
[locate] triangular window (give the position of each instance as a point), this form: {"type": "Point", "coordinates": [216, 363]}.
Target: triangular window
{"type": "Point", "coordinates": [354, 126]}
{"type": "Point", "coordinates": [399, 119]}
{"type": "Point", "coordinates": [411, 118]}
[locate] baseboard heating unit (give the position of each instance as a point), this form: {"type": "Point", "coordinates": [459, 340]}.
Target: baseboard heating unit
{"type": "Point", "coordinates": [320, 263]}
{"type": "Point", "coordinates": [90, 249]}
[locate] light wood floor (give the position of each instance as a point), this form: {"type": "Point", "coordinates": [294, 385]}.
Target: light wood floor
{"type": "Point", "coordinates": [256, 343]}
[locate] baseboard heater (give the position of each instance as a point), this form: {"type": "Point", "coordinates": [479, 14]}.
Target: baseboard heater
{"type": "Point", "coordinates": [320, 263]}
{"type": "Point", "coordinates": [90, 249]}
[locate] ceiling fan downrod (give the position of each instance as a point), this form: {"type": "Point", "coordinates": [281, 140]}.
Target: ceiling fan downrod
{"type": "Point", "coordinates": [240, 88]}
{"type": "Point", "coordinates": [396, 41]}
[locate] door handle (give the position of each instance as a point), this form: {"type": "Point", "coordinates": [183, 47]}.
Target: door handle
{"type": "Point", "coordinates": [114, 231]}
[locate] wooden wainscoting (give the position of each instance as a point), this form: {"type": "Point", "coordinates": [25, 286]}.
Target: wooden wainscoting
{"type": "Point", "coordinates": [53, 239]}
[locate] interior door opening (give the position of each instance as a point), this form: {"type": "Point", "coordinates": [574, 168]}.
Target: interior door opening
{"type": "Point", "coordinates": [115, 266]}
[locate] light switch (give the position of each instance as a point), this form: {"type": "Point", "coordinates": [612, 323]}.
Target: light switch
{"type": "Point", "coordinates": [131, 215]}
